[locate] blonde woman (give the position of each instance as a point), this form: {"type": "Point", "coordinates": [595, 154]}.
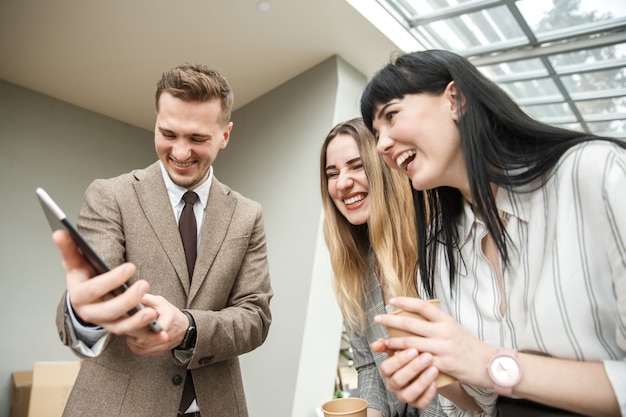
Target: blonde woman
{"type": "Point", "coordinates": [372, 248]}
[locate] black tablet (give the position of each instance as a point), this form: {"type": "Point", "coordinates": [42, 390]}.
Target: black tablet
{"type": "Point", "coordinates": [58, 220]}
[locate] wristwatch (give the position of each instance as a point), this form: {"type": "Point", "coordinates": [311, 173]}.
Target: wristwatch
{"type": "Point", "coordinates": [189, 341]}
{"type": "Point", "coordinates": [504, 371]}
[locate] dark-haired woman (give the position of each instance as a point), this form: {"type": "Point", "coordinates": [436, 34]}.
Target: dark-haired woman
{"type": "Point", "coordinates": [522, 236]}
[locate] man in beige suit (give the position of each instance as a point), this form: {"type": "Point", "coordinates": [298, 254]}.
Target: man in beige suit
{"type": "Point", "coordinates": [210, 313]}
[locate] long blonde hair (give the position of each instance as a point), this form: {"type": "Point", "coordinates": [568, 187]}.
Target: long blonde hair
{"type": "Point", "coordinates": [389, 232]}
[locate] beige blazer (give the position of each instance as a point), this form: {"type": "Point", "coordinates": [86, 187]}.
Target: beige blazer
{"type": "Point", "coordinates": [130, 218]}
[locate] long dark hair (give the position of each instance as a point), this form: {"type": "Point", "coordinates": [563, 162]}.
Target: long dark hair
{"type": "Point", "coordinates": [501, 145]}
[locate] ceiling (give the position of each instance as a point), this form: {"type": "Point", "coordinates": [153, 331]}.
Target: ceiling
{"type": "Point", "coordinates": [106, 56]}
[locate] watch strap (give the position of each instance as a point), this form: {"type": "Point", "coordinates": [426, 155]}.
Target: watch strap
{"type": "Point", "coordinates": [189, 340]}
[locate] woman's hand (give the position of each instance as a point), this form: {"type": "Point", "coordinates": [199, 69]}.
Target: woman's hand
{"type": "Point", "coordinates": [409, 375]}
{"type": "Point", "coordinates": [446, 346]}
{"type": "Point", "coordinates": [438, 343]}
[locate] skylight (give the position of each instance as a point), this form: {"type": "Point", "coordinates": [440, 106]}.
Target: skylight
{"type": "Point", "coordinates": [563, 61]}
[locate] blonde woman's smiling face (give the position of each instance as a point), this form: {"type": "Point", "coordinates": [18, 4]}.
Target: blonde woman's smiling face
{"type": "Point", "coordinates": [348, 185]}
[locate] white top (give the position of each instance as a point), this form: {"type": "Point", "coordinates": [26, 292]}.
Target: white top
{"type": "Point", "coordinates": [566, 281]}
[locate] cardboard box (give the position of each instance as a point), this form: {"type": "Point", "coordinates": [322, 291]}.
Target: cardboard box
{"type": "Point", "coordinates": [20, 393]}
{"type": "Point", "coordinates": [52, 383]}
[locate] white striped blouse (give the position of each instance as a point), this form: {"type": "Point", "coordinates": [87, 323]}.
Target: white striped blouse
{"type": "Point", "coordinates": [565, 285]}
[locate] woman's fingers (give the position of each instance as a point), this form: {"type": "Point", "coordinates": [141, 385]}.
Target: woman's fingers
{"type": "Point", "coordinates": [410, 376]}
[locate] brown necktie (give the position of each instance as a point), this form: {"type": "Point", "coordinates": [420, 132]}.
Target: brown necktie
{"type": "Point", "coordinates": [189, 235]}
{"type": "Point", "coordinates": [188, 230]}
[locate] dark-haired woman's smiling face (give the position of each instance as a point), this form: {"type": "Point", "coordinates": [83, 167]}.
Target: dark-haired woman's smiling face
{"type": "Point", "coordinates": [418, 135]}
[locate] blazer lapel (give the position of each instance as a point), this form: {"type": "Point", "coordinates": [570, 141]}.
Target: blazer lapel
{"type": "Point", "coordinates": [155, 203]}
{"type": "Point", "coordinates": [219, 212]}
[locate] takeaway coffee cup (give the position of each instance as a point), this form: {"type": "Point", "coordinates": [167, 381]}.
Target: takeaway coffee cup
{"type": "Point", "coordinates": [345, 407]}
{"type": "Point", "coordinates": [442, 379]}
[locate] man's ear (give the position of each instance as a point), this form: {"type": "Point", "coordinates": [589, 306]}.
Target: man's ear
{"type": "Point", "coordinates": [455, 100]}
{"type": "Point", "coordinates": [226, 135]}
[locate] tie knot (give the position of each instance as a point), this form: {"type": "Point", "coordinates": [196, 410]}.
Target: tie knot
{"type": "Point", "coordinates": [190, 197]}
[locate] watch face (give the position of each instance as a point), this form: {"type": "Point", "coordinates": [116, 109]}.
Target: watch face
{"type": "Point", "coordinates": [505, 371]}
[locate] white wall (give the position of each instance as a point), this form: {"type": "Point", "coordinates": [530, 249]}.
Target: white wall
{"type": "Point", "coordinates": [323, 326]}
{"type": "Point", "coordinates": [273, 157]}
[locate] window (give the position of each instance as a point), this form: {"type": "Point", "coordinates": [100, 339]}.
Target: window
{"type": "Point", "coordinates": [563, 61]}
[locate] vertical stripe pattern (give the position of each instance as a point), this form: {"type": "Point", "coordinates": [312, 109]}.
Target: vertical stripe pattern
{"type": "Point", "coordinates": [565, 284]}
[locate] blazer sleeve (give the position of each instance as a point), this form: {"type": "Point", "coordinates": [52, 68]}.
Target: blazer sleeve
{"type": "Point", "coordinates": [71, 337]}
{"type": "Point", "coordinates": [87, 219]}
{"type": "Point", "coordinates": [370, 383]}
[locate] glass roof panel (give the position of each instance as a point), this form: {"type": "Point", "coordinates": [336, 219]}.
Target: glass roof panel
{"type": "Point", "coordinates": [551, 113]}
{"type": "Point", "coordinates": [488, 27]}
{"type": "Point", "coordinates": [570, 126]}
{"type": "Point", "coordinates": [612, 106]}
{"type": "Point", "coordinates": [424, 6]}
{"type": "Point", "coordinates": [549, 15]}
{"type": "Point", "coordinates": [614, 128]}
{"type": "Point", "coordinates": [533, 90]}
{"type": "Point", "coordinates": [563, 61]}
{"type": "Point", "coordinates": [514, 70]}
{"type": "Point", "coordinates": [597, 80]}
